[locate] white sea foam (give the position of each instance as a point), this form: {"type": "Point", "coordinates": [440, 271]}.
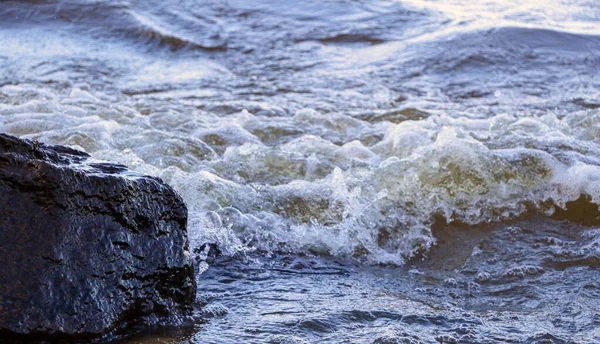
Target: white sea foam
{"type": "Point", "coordinates": [315, 182]}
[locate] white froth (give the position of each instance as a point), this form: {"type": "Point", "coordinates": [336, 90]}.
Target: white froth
{"type": "Point", "coordinates": [313, 182]}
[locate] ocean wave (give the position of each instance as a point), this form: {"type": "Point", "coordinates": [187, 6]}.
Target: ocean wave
{"type": "Point", "coordinates": [205, 36]}
{"type": "Point", "coordinates": [376, 202]}
{"type": "Point", "coordinates": [414, 138]}
{"type": "Point", "coordinates": [501, 47]}
{"type": "Point", "coordinates": [119, 19]}
{"type": "Point", "coordinates": [380, 202]}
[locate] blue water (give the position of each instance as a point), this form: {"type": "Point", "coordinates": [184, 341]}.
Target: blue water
{"type": "Point", "coordinates": [355, 171]}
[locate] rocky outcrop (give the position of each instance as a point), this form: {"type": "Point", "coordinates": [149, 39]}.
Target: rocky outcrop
{"type": "Point", "coordinates": [86, 246]}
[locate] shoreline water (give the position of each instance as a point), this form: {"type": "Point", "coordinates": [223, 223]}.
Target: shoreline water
{"type": "Point", "coordinates": [336, 134]}
{"type": "Point", "coordinates": [485, 284]}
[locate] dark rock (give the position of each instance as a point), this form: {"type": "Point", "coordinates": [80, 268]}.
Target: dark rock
{"type": "Point", "coordinates": [85, 246]}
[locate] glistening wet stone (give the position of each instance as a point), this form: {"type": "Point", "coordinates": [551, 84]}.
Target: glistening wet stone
{"type": "Point", "coordinates": [86, 247]}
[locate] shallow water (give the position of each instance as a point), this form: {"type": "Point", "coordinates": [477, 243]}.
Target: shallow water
{"type": "Point", "coordinates": [377, 171]}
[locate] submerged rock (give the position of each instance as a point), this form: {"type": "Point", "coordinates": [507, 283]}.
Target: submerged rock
{"type": "Point", "coordinates": [86, 246]}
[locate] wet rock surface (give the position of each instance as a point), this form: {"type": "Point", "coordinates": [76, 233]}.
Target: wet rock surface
{"type": "Point", "coordinates": [86, 247]}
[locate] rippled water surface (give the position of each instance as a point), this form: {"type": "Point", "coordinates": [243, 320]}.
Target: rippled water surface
{"type": "Point", "coordinates": [355, 171]}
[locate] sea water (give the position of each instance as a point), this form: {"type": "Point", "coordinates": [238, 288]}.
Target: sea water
{"type": "Point", "coordinates": [355, 171]}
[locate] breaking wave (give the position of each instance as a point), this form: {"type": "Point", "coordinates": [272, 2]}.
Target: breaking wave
{"type": "Point", "coordinates": [336, 186]}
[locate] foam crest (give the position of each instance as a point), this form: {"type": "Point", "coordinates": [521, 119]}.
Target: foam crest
{"type": "Point", "coordinates": [252, 183]}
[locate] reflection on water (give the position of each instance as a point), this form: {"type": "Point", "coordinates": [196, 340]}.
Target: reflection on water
{"type": "Point", "coordinates": [313, 141]}
{"type": "Point", "coordinates": [469, 290]}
